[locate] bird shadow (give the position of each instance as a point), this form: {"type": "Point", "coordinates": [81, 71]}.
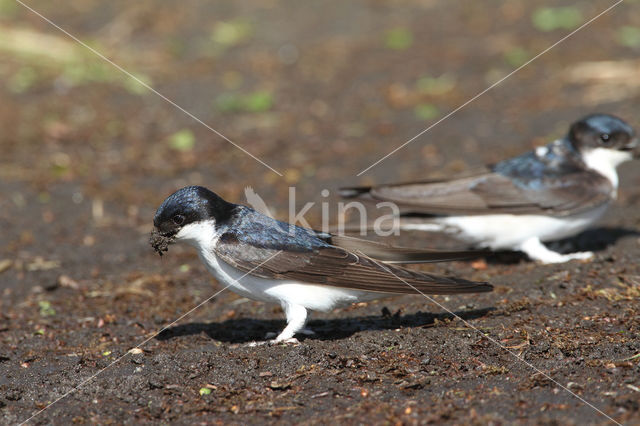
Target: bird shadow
{"type": "Point", "coordinates": [245, 330]}
{"type": "Point", "coordinates": [595, 240]}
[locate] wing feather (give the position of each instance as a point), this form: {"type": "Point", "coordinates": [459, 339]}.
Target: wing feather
{"type": "Point", "coordinates": [493, 193]}
{"type": "Point", "coordinates": [392, 254]}
{"type": "Point", "coordinates": [337, 267]}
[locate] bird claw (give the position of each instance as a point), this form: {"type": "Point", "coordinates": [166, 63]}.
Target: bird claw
{"type": "Point", "coordinates": [561, 258]}
{"type": "Point", "coordinates": [273, 342]}
{"type": "Point", "coordinates": [289, 341]}
{"type": "Point", "coordinates": [581, 255]}
{"type": "Point", "coordinates": [540, 253]}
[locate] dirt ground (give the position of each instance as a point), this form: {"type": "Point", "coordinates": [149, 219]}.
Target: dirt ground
{"type": "Point", "coordinates": [318, 91]}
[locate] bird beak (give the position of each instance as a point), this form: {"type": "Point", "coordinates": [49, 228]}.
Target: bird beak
{"type": "Point", "coordinates": [160, 242]}
{"type": "Point", "coordinates": [634, 147]}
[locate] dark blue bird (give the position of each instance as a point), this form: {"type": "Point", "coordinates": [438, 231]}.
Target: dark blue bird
{"type": "Point", "coordinates": [264, 259]}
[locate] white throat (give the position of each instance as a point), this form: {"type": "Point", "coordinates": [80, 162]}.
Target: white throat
{"type": "Point", "coordinates": [605, 161]}
{"type": "Point", "coordinates": [204, 237]}
{"type": "Point", "coordinates": [199, 234]}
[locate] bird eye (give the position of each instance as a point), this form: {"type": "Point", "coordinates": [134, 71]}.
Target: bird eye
{"type": "Point", "coordinates": [605, 138]}
{"type": "Point", "coordinates": [178, 219]}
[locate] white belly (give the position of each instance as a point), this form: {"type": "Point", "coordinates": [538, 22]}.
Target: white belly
{"type": "Point", "coordinates": [506, 231]}
{"type": "Point", "coordinates": [314, 297]}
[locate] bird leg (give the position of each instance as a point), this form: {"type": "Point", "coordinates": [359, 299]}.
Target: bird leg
{"type": "Point", "coordinates": [296, 320]}
{"type": "Point", "coordinates": [536, 250]}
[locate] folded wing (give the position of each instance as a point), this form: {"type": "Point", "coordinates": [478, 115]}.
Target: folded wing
{"type": "Point", "coordinates": [493, 193]}
{"type": "Point", "coordinates": [336, 267]}
{"type": "Point", "coordinates": [392, 254]}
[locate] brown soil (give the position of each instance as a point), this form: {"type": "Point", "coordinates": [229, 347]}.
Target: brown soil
{"type": "Point", "coordinates": [311, 89]}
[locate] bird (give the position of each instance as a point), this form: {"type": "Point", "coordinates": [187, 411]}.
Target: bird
{"type": "Point", "coordinates": [268, 260]}
{"type": "Point", "coordinates": [550, 193]}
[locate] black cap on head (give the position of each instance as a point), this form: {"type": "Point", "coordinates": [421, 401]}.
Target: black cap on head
{"type": "Point", "coordinates": [188, 205]}
{"type": "Point", "coordinates": [602, 131]}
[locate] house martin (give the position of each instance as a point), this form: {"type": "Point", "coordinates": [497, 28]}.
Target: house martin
{"type": "Point", "coordinates": [272, 261]}
{"type": "Point", "coordinates": [553, 192]}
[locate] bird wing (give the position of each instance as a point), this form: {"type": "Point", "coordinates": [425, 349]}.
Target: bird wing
{"type": "Point", "coordinates": [391, 254]}
{"type": "Point", "coordinates": [494, 193]}
{"type": "Point", "coordinates": [336, 267]}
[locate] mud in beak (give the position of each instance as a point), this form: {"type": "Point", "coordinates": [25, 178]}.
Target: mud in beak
{"type": "Point", "coordinates": [160, 242]}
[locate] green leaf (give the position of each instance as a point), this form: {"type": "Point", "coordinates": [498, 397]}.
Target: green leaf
{"type": "Point", "coordinates": [426, 111]}
{"type": "Point", "coordinates": [553, 18]}
{"type": "Point", "coordinates": [228, 102]}
{"type": "Point", "coordinates": [436, 85]}
{"type": "Point", "coordinates": [182, 140]}
{"type": "Point", "coordinates": [231, 33]}
{"type": "Point", "coordinates": [205, 391]}
{"type": "Point", "coordinates": [629, 36]}
{"type": "Point", "coordinates": [398, 39]}
{"type": "Point", "coordinates": [258, 101]}
{"type": "Point", "coordinates": [516, 56]}
{"type": "Point", "coordinates": [46, 309]}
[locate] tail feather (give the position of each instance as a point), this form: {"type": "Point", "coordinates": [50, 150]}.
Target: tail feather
{"type": "Point", "coordinates": [406, 281]}
{"type": "Point", "coordinates": [353, 192]}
